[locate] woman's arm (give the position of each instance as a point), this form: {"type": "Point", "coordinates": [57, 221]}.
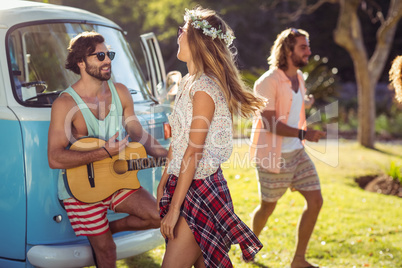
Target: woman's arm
{"type": "Point", "coordinates": [164, 178]}
{"type": "Point", "coordinates": [203, 111]}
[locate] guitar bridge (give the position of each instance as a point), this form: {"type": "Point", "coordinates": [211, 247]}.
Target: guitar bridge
{"type": "Point", "coordinates": [91, 175]}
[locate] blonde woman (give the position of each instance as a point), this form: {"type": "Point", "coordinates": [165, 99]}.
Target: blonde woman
{"type": "Point", "coordinates": [395, 76]}
{"type": "Point", "coordinates": [198, 220]}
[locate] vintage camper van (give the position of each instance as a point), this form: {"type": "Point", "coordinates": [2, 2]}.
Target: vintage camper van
{"type": "Point", "coordinates": [34, 228]}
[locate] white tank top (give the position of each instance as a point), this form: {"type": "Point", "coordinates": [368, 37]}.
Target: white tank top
{"type": "Point", "coordinates": [290, 144]}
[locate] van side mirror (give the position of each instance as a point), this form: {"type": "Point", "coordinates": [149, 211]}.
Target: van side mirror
{"type": "Point", "coordinates": [30, 90]}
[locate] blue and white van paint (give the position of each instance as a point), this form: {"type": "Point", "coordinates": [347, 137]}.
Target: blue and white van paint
{"type": "Point", "coordinates": [34, 228]}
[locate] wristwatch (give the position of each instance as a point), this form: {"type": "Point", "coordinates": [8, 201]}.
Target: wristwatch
{"type": "Point", "coordinates": [302, 134]}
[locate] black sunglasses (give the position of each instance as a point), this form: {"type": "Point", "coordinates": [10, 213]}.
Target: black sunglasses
{"type": "Point", "coordinates": [179, 31]}
{"type": "Point", "coordinates": [101, 55]}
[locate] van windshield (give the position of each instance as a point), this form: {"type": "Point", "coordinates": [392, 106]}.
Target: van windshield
{"type": "Point", "coordinates": [37, 56]}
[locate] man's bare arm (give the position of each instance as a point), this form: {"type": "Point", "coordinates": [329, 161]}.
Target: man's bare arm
{"type": "Point", "coordinates": [60, 135]}
{"type": "Point", "coordinates": [134, 127]}
{"type": "Point", "coordinates": [275, 126]}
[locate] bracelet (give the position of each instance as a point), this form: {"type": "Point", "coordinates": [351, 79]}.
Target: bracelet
{"type": "Point", "coordinates": [302, 134]}
{"type": "Point", "coordinates": [104, 148]}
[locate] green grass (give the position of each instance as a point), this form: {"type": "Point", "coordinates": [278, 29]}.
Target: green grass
{"type": "Point", "coordinates": [355, 228]}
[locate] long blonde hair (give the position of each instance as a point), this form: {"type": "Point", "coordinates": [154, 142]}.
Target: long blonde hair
{"type": "Point", "coordinates": [395, 76]}
{"type": "Point", "coordinates": [285, 42]}
{"type": "Point", "coordinates": [214, 58]}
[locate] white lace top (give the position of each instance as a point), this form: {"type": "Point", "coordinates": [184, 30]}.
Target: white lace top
{"type": "Point", "coordinates": [219, 141]}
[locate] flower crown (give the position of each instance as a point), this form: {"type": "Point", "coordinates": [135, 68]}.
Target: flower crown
{"type": "Point", "coordinates": [207, 29]}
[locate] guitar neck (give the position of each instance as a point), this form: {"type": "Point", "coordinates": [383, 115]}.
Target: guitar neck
{"type": "Point", "coordinates": [144, 163]}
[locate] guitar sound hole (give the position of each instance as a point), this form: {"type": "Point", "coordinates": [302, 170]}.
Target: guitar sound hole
{"type": "Point", "coordinates": [120, 166]}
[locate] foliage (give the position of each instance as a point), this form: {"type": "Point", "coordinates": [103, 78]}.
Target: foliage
{"type": "Point", "coordinates": [256, 24]}
{"type": "Point", "coordinates": [250, 76]}
{"type": "Point", "coordinates": [242, 127]}
{"type": "Point", "coordinates": [387, 126]}
{"type": "Point", "coordinates": [390, 124]}
{"type": "Point", "coordinates": [321, 81]}
{"type": "Point", "coordinates": [347, 119]}
{"type": "Point", "coordinates": [395, 172]}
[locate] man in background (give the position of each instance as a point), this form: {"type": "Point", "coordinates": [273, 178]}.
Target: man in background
{"type": "Point", "coordinates": [278, 139]}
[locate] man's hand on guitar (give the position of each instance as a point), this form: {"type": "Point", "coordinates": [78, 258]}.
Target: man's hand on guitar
{"type": "Point", "coordinates": [114, 146]}
{"type": "Point", "coordinates": [98, 180]}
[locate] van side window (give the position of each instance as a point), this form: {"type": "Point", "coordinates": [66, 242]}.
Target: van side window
{"type": "Point", "coordinates": [37, 56]}
{"type": "Point", "coordinates": [15, 70]}
{"type": "Point", "coordinates": [155, 67]}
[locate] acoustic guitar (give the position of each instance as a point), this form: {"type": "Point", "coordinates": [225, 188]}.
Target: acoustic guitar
{"type": "Point", "coordinates": [98, 180]}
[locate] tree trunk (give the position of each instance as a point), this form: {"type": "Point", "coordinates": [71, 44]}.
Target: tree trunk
{"type": "Point", "coordinates": [348, 34]}
{"type": "Point", "coordinates": [366, 106]}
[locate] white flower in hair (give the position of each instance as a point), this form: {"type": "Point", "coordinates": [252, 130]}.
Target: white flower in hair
{"type": "Point", "coordinates": [214, 33]}
{"type": "Point", "coordinates": [189, 15]}
{"type": "Point", "coordinates": [197, 24]}
{"type": "Point", "coordinates": [207, 29]}
{"type": "Point", "coordinates": [228, 38]}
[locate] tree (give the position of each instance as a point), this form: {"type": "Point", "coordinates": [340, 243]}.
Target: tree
{"type": "Point", "coordinates": [348, 34]}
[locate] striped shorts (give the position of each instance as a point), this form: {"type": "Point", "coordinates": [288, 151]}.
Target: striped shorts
{"type": "Point", "coordinates": [297, 173]}
{"type": "Point", "coordinates": [90, 219]}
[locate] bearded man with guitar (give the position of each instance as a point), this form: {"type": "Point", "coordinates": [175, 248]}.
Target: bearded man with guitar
{"type": "Point", "coordinates": [96, 107]}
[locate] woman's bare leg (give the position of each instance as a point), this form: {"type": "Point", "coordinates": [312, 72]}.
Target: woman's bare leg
{"type": "Point", "coordinates": [183, 250]}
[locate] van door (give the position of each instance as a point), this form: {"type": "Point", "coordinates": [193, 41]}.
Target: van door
{"type": "Point", "coordinates": [13, 189]}
{"type": "Point", "coordinates": [155, 66]}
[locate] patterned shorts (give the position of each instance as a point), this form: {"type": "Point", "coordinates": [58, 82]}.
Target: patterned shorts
{"type": "Point", "coordinates": [298, 173]}
{"type": "Point", "coordinates": [90, 219]}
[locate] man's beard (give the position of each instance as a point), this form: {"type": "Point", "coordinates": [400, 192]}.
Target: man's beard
{"type": "Point", "coordinates": [97, 72]}
{"type": "Point", "coordinates": [298, 61]}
